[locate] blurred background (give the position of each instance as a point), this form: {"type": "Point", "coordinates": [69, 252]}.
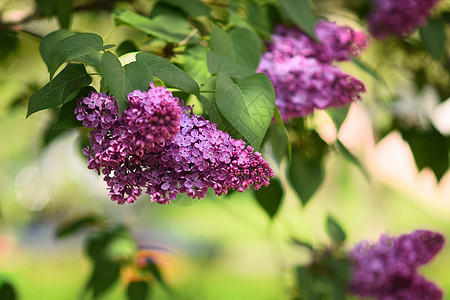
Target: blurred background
{"type": "Point", "coordinates": [218, 247]}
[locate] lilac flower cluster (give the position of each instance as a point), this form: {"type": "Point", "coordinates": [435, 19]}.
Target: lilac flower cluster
{"type": "Point", "coordinates": [388, 269]}
{"type": "Point", "coordinates": [158, 146]}
{"type": "Point", "coordinates": [398, 17]}
{"type": "Point", "coordinates": [301, 69]}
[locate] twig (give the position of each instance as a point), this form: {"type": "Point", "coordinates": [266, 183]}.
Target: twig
{"type": "Point", "coordinates": [188, 37]}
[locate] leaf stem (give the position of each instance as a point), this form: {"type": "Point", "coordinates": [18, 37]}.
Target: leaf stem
{"type": "Point", "coordinates": [188, 37]}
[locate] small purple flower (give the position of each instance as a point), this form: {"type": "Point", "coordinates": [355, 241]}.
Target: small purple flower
{"type": "Point", "coordinates": [399, 18]}
{"type": "Point", "coordinates": [387, 270]}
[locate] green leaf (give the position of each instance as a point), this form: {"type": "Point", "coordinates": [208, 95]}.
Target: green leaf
{"type": "Point", "coordinates": [313, 285]}
{"type": "Point", "coordinates": [302, 244]}
{"type": "Point", "coordinates": [126, 47]}
{"type": "Point", "coordinates": [208, 100]}
{"type": "Point", "coordinates": [195, 63]}
{"type": "Point", "coordinates": [277, 138]}
{"type": "Point", "coordinates": [445, 16]}
{"type": "Point", "coordinates": [334, 230]}
{"type": "Point", "coordinates": [286, 134]}
{"type": "Point", "coordinates": [104, 276]}
{"type": "Point", "coordinates": [9, 43]}
{"type": "Point", "coordinates": [217, 63]}
{"type": "Point", "coordinates": [171, 28]}
{"type": "Point", "coordinates": [269, 198]}
{"type": "Point", "coordinates": [49, 42]}
{"type": "Point", "coordinates": [67, 117]}
{"type": "Point", "coordinates": [138, 290]}
{"type": "Point", "coordinates": [7, 291]}
{"type": "Point", "coordinates": [248, 105]}
{"type": "Point", "coordinates": [154, 270]}
{"type": "Point", "coordinates": [326, 278]}
{"type": "Point", "coordinates": [169, 73]}
{"type": "Point", "coordinates": [305, 175]}
{"type": "Point", "coordinates": [236, 54]}
{"type": "Point", "coordinates": [263, 18]}
{"type": "Point", "coordinates": [351, 158]}
{"type": "Point", "coordinates": [371, 71]}
{"type": "Point", "coordinates": [161, 8]}
{"type": "Point", "coordinates": [433, 37]}
{"type": "Point", "coordinates": [64, 11]}
{"type": "Point", "coordinates": [124, 80]}
{"type": "Point", "coordinates": [46, 6]}
{"type": "Point", "coordinates": [193, 8]}
{"type": "Point", "coordinates": [248, 47]}
{"type": "Point", "coordinates": [338, 115]}
{"type": "Point", "coordinates": [301, 15]}
{"type": "Point", "coordinates": [92, 59]}
{"type": "Point", "coordinates": [74, 226]}
{"type": "Point", "coordinates": [221, 42]}
{"type": "Point", "coordinates": [430, 149]}
{"type": "Point", "coordinates": [73, 47]}
{"type": "Point", "coordinates": [97, 243]}
{"type": "Point", "coordinates": [63, 88]}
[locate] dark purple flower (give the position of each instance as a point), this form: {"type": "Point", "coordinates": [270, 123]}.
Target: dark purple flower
{"type": "Point", "coordinates": [388, 269]}
{"type": "Point", "coordinates": [399, 18]}
{"type": "Point", "coordinates": [158, 147]}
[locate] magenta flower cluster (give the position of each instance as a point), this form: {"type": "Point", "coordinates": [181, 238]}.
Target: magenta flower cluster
{"type": "Point", "coordinates": [387, 270]}
{"type": "Point", "coordinates": [399, 18]}
{"type": "Point", "coordinates": [302, 70]}
{"type": "Point", "coordinates": [158, 146]}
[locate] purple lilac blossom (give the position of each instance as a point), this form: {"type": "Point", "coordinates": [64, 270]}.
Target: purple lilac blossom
{"type": "Point", "coordinates": [166, 150]}
{"type": "Point", "coordinates": [399, 18]}
{"type": "Point", "coordinates": [337, 43]}
{"type": "Point", "coordinates": [387, 270]}
{"type": "Point", "coordinates": [301, 69]}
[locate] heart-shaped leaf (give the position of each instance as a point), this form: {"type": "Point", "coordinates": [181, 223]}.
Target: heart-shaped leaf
{"type": "Point", "coordinates": [72, 47]}
{"type": "Point", "coordinates": [62, 89]}
{"type": "Point", "coordinates": [236, 53]}
{"type": "Point", "coordinates": [64, 12]}
{"type": "Point", "coordinates": [67, 117]}
{"type": "Point", "coordinates": [248, 105]}
{"type": "Point", "coordinates": [269, 198]}
{"type": "Point", "coordinates": [169, 73]}
{"type": "Point", "coordinates": [300, 14]}
{"type": "Point", "coordinates": [49, 42]}
{"type": "Point", "coordinates": [335, 230]}
{"type": "Point", "coordinates": [305, 176]}
{"type": "Point", "coordinates": [124, 80]}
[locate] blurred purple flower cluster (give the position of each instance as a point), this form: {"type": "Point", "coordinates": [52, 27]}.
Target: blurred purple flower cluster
{"type": "Point", "coordinates": [387, 270]}
{"type": "Point", "coordinates": [301, 69]}
{"type": "Point", "coordinates": [398, 17]}
{"type": "Point", "coordinates": [158, 146]}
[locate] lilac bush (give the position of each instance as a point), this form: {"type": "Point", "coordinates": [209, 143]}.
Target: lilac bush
{"type": "Point", "coordinates": [158, 146]}
{"type": "Point", "coordinates": [206, 49]}
{"type": "Point", "coordinates": [399, 18]}
{"type": "Point", "coordinates": [388, 269]}
{"type": "Point", "coordinates": [301, 69]}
